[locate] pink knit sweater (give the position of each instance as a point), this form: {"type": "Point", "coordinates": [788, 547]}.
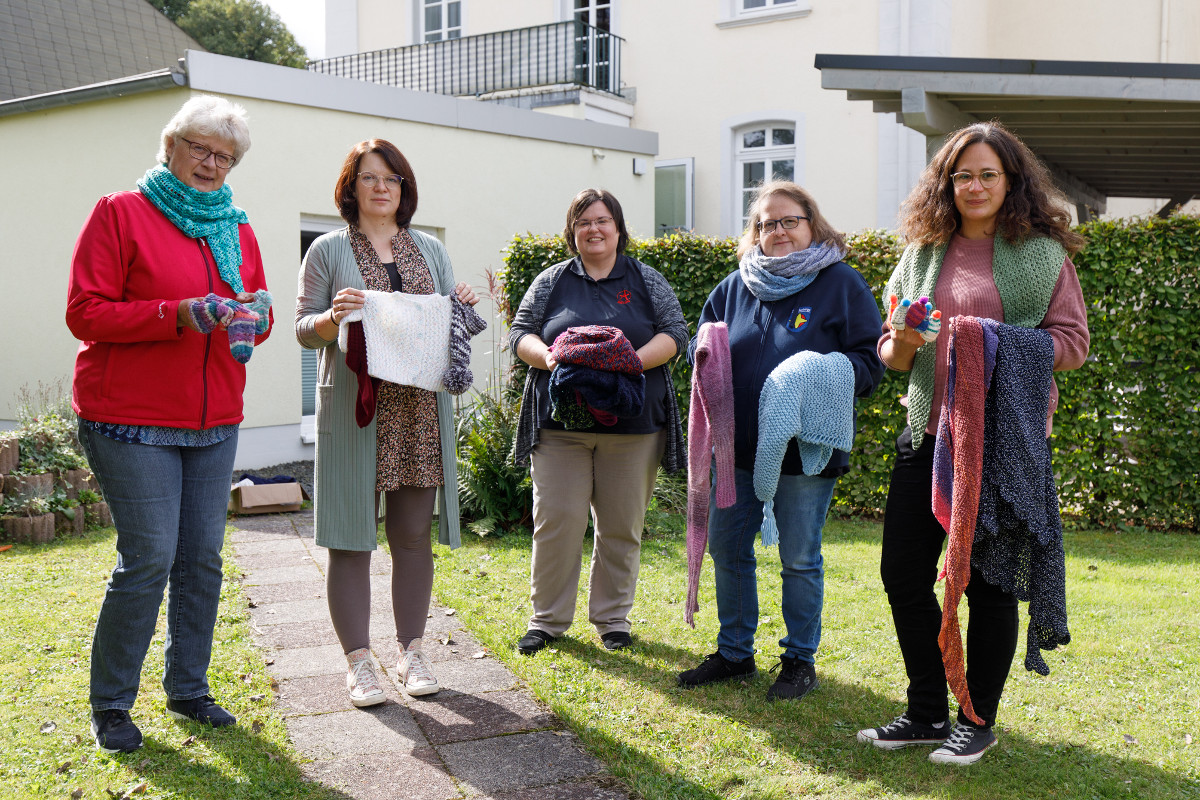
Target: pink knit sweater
{"type": "Point", "coordinates": [710, 432]}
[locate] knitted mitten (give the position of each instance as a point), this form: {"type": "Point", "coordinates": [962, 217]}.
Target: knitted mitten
{"type": "Point", "coordinates": [465, 322]}
{"type": "Point", "coordinates": [261, 305]}
{"type": "Point", "coordinates": [241, 330]}
{"type": "Point", "coordinates": [210, 312]}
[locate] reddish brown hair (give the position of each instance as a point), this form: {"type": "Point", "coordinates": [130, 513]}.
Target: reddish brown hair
{"type": "Point", "coordinates": [344, 191]}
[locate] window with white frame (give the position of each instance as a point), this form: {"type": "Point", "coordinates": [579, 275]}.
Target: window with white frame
{"type": "Point", "coordinates": [749, 12]}
{"type": "Point", "coordinates": [441, 19]}
{"type": "Point", "coordinates": [764, 151]}
{"type": "Point", "coordinates": [674, 194]}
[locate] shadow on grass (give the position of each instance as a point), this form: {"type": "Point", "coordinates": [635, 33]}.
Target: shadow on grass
{"type": "Point", "coordinates": [253, 767]}
{"type": "Point", "coordinates": [820, 731]}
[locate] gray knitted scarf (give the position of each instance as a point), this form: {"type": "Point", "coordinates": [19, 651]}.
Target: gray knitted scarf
{"type": "Point", "coordinates": [770, 278]}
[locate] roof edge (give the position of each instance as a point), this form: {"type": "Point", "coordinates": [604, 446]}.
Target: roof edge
{"type": "Point", "coordinates": [165, 78]}
{"type": "Point", "coordinates": [1010, 66]}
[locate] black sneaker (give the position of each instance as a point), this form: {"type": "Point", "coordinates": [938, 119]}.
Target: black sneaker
{"type": "Point", "coordinates": [966, 745]}
{"type": "Point", "coordinates": [201, 709]}
{"type": "Point", "coordinates": [716, 668]}
{"type": "Point", "coordinates": [115, 731]}
{"type": "Point", "coordinates": [534, 640]}
{"type": "Point", "coordinates": [616, 640]}
{"type": "Point", "coordinates": [796, 679]}
{"type": "Point", "coordinates": [903, 732]}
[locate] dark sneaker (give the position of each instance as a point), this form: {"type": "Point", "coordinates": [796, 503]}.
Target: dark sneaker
{"type": "Point", "coordinates": [903, 732]}
{"type": "Point", "coordinates": [534, 640]}
{"type": "Point", "coordinates": [716, 668]}
{"type": "Point", "coordinates": [201, 709]}
{"type": "Point", "coordinates": [616, 640]}
{"type": "Point", "coordinates": [115, 731]}
{"type": "Point", "coordinates": [796, 679]}
{"type": "Point", "coordinates": [966, 745]}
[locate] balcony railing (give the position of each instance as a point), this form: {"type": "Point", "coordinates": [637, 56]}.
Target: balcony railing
{"type": "Point", "coordinates": [544, 55]}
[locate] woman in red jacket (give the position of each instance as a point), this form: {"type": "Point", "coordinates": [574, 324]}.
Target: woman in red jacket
{"type": "Point", "coordinates": [156, 276]}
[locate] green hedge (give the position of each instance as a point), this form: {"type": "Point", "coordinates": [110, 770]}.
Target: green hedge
{"type": "Point", "coordinates": [1140, 279]}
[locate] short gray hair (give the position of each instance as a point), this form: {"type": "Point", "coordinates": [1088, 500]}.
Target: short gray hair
{"type": "Point", "coordinates": [208, 116]}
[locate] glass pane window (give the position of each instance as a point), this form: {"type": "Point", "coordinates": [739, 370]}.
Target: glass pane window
{"type": "Point", "coordinates": [442, 20]}
{"type": "Point", "coordinates": [749, 4]}
{"type": "Point", "coordinates": [783, 136]}
{"type": "Point", "coordinates": [784, 169]}
{"type": "Point", "coordinates": [673, 195]}
{"type": "Point", "coordinates": [764, 152]}
{"type": "Point", "coordinates": [754, 138]}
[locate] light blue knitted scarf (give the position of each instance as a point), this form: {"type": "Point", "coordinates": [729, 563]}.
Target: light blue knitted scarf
{"type": "Point", "coordinates": [211, 215]}
{"type": "Point", "coordinates": [770, 278]}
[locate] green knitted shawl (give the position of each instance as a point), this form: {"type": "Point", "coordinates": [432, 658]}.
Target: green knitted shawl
{"type": "Point", "coordinates": [1025, 274]}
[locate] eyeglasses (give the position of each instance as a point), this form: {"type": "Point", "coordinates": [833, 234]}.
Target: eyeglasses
{"type": "Point", "coordinates": [987, 179]}
{"type": "Point", "coordinates": [390, 182]}
{"type": "Point", "coordinates": [787, 223]}
{"type": "Point", "coordinates": [599, 222]}
{"type": "Point", "coordinates": [201, 153]}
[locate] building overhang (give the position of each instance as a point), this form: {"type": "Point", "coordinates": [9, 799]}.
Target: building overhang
{"type": "Point", "coordinates": [1105, 129]}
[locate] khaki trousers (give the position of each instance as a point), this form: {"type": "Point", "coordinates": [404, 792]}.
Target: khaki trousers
{"type": "Point", "coordinates": [612, 475]}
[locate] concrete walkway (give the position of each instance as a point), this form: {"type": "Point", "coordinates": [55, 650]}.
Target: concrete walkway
{"type": "Point", "coordinates": [483, 735]}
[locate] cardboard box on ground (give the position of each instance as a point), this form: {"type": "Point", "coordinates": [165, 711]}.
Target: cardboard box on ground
{"type": "Point", "coordinates": [267, 498]}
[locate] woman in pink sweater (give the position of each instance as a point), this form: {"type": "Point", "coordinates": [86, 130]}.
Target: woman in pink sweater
{"type": "Point", "coordinates": [989, 237]}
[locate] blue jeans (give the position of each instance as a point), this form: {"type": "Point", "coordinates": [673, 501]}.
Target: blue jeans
{"type": "Point", "coordinates": [168, 505]}
{"type": "Point", "coordinates": [801, 503]}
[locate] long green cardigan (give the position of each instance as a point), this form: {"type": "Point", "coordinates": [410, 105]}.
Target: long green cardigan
{"type": "Point", "coordinates": [345, 461]}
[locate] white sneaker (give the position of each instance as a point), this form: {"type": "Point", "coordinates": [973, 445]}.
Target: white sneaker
{"type": "Point", "coordinates": [416, 672]}
{"type": "Point", "coordinates": [361, 680]}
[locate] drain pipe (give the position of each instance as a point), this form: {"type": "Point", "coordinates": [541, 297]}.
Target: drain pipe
{"type": "Point", "coordinates": [166, 78]}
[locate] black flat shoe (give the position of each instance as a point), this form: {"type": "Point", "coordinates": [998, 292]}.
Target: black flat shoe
{"type": "Point", "coordinates": [616, 640]}
{"type": "Point", "coordinates": [534, 640]}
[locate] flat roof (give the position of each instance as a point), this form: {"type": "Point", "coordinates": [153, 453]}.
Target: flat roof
{"type": "Point", "coordinates": [1105, 128]}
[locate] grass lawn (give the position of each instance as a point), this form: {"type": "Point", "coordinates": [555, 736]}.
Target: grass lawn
{"type": "Point", "coordinates": [51, 596]}
{"type": "Point", "coordinates": [1116, 717]}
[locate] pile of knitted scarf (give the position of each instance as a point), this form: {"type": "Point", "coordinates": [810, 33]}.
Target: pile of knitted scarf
{"type": "Point", "coordinates": [808, 397]}
{"type": "Point", "coordinates": [421, 340]}
{"type": "Point", "coordinates": [710, 438]}
{"type": "Point", "coordinates": [598, 378]}
{"type": "Point", "coordinates": [993, 486]}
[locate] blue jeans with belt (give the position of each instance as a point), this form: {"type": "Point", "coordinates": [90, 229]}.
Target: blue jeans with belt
{"type": "Point", "coordinates": [168, 505]}
{"type": "Point", "coordinates": [801, 503]}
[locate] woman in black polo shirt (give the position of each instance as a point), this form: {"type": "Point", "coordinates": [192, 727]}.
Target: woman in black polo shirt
{"type": "Point", "coordinates": [591, 447]}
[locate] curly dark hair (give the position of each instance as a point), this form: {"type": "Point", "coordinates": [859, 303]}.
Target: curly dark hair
{"type": "Point", "coordinates": [1033, 206]}
{"type": "Point", "coordinates": [344, 191]}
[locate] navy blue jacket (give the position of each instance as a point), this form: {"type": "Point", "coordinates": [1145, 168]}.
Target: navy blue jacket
{"type": "Point", "coordinates": [835, 313]}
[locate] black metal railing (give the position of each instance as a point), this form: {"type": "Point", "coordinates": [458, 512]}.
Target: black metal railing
{"type": "Point", "coordinates": [544, 55]}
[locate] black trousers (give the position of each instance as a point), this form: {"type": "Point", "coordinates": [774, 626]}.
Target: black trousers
{"type": "Point", "coordinates": [912, 545]}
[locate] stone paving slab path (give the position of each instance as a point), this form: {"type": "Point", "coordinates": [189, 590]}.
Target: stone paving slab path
{"type": "Point", "coordinates": [483, 735]}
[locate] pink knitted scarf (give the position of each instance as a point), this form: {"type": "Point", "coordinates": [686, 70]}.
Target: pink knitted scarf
{"type": "Point", "coordinates": [710, 430]}
{"type": "Point", "coordinates": [959, 448]}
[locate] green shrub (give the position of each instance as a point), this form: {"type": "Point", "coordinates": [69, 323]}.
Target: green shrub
{"type": "Point", "coordinates": [49, 444]}
{"type": "Point", "coordinates": [495, 496]}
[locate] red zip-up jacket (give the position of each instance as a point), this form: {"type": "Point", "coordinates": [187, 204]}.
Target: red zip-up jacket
{"type": "Point", "coordinates": [130, 269]}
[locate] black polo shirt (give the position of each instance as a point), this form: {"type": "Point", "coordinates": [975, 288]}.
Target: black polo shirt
{"type": "Point", "coordinates": [620, 300]}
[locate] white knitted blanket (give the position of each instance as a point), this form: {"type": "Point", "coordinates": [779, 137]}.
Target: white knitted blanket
{"type": "Point", "coordinates": [408, 337]}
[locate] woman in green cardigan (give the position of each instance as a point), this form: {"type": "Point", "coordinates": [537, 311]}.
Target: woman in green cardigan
{"type": "Point", "coordinates": [406, 451]}
{"type": "Point", "coordinates": [988, 236]}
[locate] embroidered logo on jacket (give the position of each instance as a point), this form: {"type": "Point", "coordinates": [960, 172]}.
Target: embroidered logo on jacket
{"type": "Point", "coordinates": [623, 296]}
{"type": "Point", "coordinates": [799, 318]}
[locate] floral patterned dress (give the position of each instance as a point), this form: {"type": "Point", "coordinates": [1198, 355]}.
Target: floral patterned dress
{"type": "Point", "coordinates": [407, 447]}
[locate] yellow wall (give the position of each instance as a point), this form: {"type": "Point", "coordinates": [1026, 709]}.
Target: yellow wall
{"type": "Point", "coordinates": [476, 190]}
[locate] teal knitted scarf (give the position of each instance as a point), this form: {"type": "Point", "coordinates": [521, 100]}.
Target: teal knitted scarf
{"type": "Point", "coordinates": [1025, 275]}
{"type": "Point", "coordinates": [211, 215]}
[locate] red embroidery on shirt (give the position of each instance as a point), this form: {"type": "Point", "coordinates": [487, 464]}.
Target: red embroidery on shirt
{"type": "Point", "coordinates": [623, 296]}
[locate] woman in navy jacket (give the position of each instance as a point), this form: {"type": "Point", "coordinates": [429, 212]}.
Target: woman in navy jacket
{"type": "Point", "coordinates": [792, 293]}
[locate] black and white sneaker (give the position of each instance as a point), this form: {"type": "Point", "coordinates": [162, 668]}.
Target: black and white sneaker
{"type": "Point", "coordinates": [966, 745]}
{"type": "Point", "coordinates": [904, 732]}
{"type": "Point", "coordinates": [115, 732]}
{"type": "Point", "coordinates": [716, 668]}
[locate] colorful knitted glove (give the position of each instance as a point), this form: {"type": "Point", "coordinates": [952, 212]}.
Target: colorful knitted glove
{"type": "Point", "coordinates": [919, 316]}
{"type": "Point", "coordinates": [210, 312]}
{"type": "Point", "coordinates": [261, 305]}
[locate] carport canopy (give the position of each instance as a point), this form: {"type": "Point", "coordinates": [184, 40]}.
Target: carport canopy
{"type": "Point", "coordinates": [1104, 128]}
